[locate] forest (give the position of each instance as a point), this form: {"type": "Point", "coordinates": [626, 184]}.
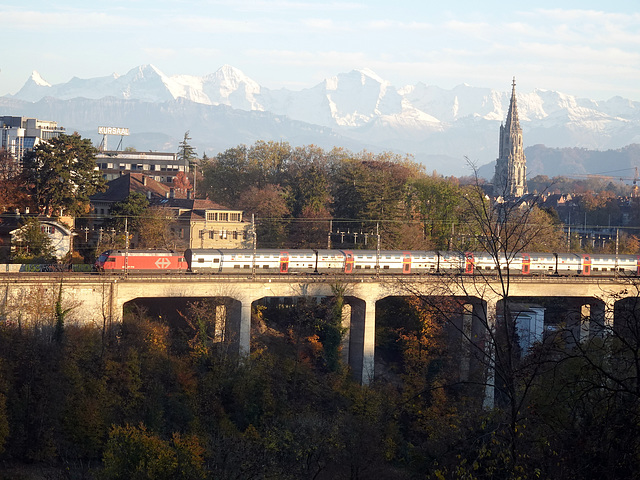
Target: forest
{"type": "Point", "coordinates": [160, 396]}
{"type": "Point", "coordinates": [298, 195]}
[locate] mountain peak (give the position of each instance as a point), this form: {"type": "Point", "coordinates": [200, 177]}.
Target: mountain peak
{"type": "Point", "coordinates": [230, 76]}
{"type": "Point", "coordinates": [367, 72]}
{"type": "Point", "coordinates": [145, 70]}
{"type": "Point", "coordinates": [38, 80]}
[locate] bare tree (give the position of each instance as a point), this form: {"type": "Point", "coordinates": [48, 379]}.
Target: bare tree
{"type": "Point", "coordinates": [485, 314]}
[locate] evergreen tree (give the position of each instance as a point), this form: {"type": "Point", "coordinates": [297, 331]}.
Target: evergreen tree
{"type": "Point", "coordinates": [132, 208]}
{"type": "Point", "coordinates": [186, 152]}
{"type": "Point", "coordinates": [62, 175]}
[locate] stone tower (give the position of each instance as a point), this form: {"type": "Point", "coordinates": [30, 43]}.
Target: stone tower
{"type": "Point", "coordinates": [510, 179]}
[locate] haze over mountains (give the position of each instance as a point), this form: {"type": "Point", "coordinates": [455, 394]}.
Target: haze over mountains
{"type": "Point", "coordinates": [354, 110]}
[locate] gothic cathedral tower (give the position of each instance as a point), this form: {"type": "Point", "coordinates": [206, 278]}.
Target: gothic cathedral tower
{"type": "Point", "coordinates": [510, 179]}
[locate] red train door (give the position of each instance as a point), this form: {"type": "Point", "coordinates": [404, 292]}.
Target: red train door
{"type": "Point", "coordinates": [586, 265]}
{"type": "Point", "coordinates": [406, 262]}
{"type": "Point", "coordinates": [284, 262]}
{"type": "Point", "coordinates": [469, 262]}
{"type": "Point", "coordinates": [526, 264]}
{"type": "Point", "coordinates": [348, 261]}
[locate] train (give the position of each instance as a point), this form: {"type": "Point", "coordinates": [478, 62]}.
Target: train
{"type": "Point", "coordinates": [364, 262]}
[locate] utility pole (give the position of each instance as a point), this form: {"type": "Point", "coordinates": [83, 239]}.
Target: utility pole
{"type": "Point", "coordinates": [253, 235]}
{"type": "Point", "coordinates": [126, 245]}
{"type": "Point", "coordinates": [195, 175]}
{"type": "Point", "coordinates": [377, 248]}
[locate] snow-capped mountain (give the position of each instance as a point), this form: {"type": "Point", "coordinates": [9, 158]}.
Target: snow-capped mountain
{"type": "Point", "coordinates": [357, 110]}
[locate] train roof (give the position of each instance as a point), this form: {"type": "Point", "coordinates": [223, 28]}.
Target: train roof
{"type": "Point", "coordinates": [148, 252]}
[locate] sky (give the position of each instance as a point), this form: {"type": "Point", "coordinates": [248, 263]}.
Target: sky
{"type": "Point", "coordinates": [584, 48]}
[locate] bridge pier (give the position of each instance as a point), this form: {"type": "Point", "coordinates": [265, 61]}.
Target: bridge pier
{"type": "Point", "coordinates": [244, 326]}
{"type": "Point", "coordinates": [346, 337]}
{"type": "Point", "coordinates": [487, 312]}
{"type": "Point", "coordinates": [362, 338]}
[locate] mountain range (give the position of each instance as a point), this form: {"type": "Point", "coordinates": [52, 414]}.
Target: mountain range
{"type": "Point", "coordinates": [443, 129]}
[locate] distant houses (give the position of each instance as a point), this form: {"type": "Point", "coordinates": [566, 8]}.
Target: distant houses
{"type": "Point", "coordinates": [59, 231]}
{"type": "Point", "coordinates": [197, 223]}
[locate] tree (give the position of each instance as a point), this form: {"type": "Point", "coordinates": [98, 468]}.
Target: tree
{"type": "Point", "coordinates": [62, 175]}
{"type": "Point", "coordinates": [227, 175]}
{"type": "Point", "coordinates": [13, 191]}
{"type": "Point", "coordinates": [235, 170]}
{"type": "Point", "coordinates": [130, 208]}
{"type": "Point", "coordinates": [270, 207]}
{"type": "Point", "coordinates": [181, 182]}
{"type": "Point", "coordinates": [490, 334]}
{"type": "Point", "coordinates": [134, 452]}
{"type": "Point", "coordinates": [154, 229]}
{"type": "Point", "coordinates": [436, 201]}
{"type": "Point", "coordinates": [370, 189]}
{"type": "Point", "coordinates": [186, 152]}
{"type": "Point", "coordinates": [34, 245]}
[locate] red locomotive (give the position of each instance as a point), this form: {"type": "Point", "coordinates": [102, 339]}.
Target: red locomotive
{"type": "Point", "coordinates": [150, 261]}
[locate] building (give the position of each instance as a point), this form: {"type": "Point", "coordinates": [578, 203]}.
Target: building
{"type": "Point", "coordinates": [159, 166]}
{"type": "Point", "coordinates": [20, 135]}
{"type": "Point", "coordinates": [58, 231]}
{"type": "Point", "coordinates": [197, 223]}
{"type": "Point", "coordinates": [510, 179]}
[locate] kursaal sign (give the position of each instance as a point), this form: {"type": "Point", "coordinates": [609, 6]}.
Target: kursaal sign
{"type": "Point", "coordinates": [113, 131]}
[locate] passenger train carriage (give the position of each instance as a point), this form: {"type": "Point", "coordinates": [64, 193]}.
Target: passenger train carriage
{"type": "Point", "coordinates": [364, 262]}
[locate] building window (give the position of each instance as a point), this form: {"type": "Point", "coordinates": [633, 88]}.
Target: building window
{"type": "Point", "coordinates": [235, 235]}
{"type": "Point", "coordinates": [223, 217]}
{"type": "Point", "coordinates": [223, 234]}
{"type": "Point", "coordinates": [212, 234]}
{"type": "Point", "coordinates": [235, 217]}
{"type": "Point", "coordinates": [211, 216]}
{"type": "Point", "coordinates": [201, 234]}
{"type": "Point", "coordinates": [48, 229]}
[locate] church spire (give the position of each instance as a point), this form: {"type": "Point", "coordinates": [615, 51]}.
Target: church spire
{"type": "Point", "coordinates": [512, 115]}
{"type": "Point", "coordinates": [510, 179]}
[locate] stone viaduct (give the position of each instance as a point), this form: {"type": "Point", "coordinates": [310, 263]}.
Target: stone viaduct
{"type": "Point", "coordinates": [100, 299]}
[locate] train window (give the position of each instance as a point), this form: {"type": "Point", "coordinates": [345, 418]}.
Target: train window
{"type": "Point", "coordinates": [595, 269]}
{"type": "Point", "coordinates": [386, 267]}
{"type": "Point", "coordinates": [111, 259]}
{"type": "Point", "coordinates": [201, 260]}
{"type": "Point", "coordinates": [247, 266]}
{"type": "Point", "coordinates": [265, 266]}
{"type": "Point", "coordinates": [216, 260]}
{"type": "Point", "coordinates": [236, 266]}
{"type": "Point", "coordinates": [358, 266]}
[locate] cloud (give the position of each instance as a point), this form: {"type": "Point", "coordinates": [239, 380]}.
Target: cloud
{"type": "Point", "coordinates": [272, 6]}
{"type": "Point", "coordinates": [72, 20]}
